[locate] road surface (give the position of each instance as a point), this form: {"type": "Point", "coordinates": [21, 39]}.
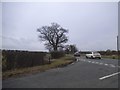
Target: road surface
{"type": "Point", "coordinates": [85, 73]}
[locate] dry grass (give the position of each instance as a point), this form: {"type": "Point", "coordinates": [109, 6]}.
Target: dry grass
{"type": "Point", "coordinates": [23, 71]}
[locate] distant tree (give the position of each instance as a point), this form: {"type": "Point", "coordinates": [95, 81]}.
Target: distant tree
{"type": "Point", "coordinates": [54, 36]}
{"type": "Point", "coordinates": [71, 48]}
{"type": "Point", "coordinates": [108, 51]}
{"type": "Point", "coordinates": [67, 50]}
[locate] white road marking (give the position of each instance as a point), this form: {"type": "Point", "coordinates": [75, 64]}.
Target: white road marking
{"type": "Point", "coordinates": [106, 64]}
{"type": "Point", "coordinates": [101, 63]}
{"type": "Point", "coordinates": [97, 62]}
{"type": "Point", "coordinates": [77, 60]}
{"type": "Point", "coordinates": [92, 62]}
{"type": "Point", "coordinates": [89, 61]}
{"type": "Point", "coordinates": [112, 65]}
{"type": "Point", "coordinates": [72, 63]}
{"type": "Point", "coordinates": [105, 77]}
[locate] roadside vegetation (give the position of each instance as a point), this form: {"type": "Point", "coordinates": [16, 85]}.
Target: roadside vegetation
{"type": "Point", "coordinates": [63, 61]}
{"type": "Point", "coordinates": [111, 56]}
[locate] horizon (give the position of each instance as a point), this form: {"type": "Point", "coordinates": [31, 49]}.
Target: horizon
{"type": "Point", "coordinates": [48, 51]}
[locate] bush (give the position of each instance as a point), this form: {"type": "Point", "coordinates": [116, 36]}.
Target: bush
{"type": "Point", "coordinates": [57, 54]}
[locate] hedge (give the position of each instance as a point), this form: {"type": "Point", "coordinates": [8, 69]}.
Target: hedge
{"type": "Point", "coordinates": [20, 59]}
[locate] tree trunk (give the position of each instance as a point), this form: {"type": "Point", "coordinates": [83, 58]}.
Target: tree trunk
{"type": "Point", "coordinates": [55, 48]}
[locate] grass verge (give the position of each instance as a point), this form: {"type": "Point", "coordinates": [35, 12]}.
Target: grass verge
{"type": "Point", "coordinates": [68, 59]}
{"type": "Point", "coordinates": [110, 56]}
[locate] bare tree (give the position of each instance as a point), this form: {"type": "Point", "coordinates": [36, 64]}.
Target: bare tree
{"type": "Point", "coordinates": [54, 36]}
{"type": "Point", "coordinates": [71, 48]}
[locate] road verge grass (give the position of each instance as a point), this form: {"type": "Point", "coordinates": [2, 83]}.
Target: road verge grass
{"type": "Point", "coordinates": [64, 61]}
{"type": "Point", "coordinates": [110, 56]}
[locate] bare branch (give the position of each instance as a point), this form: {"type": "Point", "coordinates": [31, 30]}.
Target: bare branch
{"type": "Point", "coordinates": [53, 35]}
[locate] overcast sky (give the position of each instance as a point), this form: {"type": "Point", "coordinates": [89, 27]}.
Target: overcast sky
{"type": "Point", "coordinates": [92, 26]}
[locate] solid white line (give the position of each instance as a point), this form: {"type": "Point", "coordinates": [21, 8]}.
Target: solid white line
{"type": "Point", "coordinates": [109, 76]}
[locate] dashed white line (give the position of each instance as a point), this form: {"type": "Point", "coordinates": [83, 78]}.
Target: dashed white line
{"type": "Point", "coordinates": [101, 63]}
{"type": "Point", "coordinates": [106, 64]}
{"type": "Point", "coordinates": [111, 65]}
{"type": "Point", "coordinates": [105, 77]}
{"type": "Point", "coordinates": [92, 62]}
{"type": "Point", "coordinates": [89, 61]}
{"type": "Point", "coordinates": [97, 62]}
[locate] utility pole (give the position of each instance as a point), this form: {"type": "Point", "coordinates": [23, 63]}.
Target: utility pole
{"type": "Point", "coordinates": [118, 47]}
{"type": "Point", "coordinates": [117, 44]}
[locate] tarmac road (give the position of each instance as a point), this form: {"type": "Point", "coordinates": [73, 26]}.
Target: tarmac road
{"type": "Point", "coordinates": [85, 73]}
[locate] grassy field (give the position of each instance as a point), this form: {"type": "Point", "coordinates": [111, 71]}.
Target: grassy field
{"type": "Point", "coordinates": [54, 64]}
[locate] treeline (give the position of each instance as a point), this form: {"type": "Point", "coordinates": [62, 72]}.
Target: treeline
{"type": "Point", "coordinates": [108, 52]}
{"type": "Point", "coordinates": [12, 59]}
